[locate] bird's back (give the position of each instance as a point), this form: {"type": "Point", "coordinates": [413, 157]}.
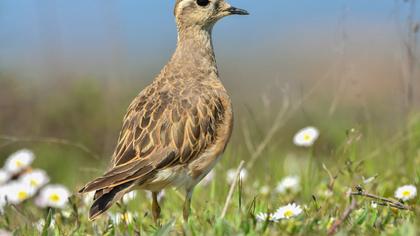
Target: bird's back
{"type": "Point", "coordinates": [175, 98]}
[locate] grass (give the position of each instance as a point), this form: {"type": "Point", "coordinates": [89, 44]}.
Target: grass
{"type": "Point", "coordinates": [326, 179]}
{"type": "Point", "coordinates": [352, 147]}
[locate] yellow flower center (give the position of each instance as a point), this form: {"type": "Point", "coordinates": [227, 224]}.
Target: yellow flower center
{"type": "Point", "coordinates": [54, 197]}
{"type": "Point", "coordinates": [306, 137]}
{"type": "Point", "coordinates": [125, 217]}
{"type": "Point", "coordinates": [288, 214]}
{"type": "Point", "coordinates": [34, 183]}
{"type": "Point", "coordinates": [22, 195]}
{"type": "Point", "coordinates": [406, 193]}
{"type": "Point", "coordinates": [19, 163]}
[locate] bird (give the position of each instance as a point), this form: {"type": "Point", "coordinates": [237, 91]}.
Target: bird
{"type": "Point", "coordinates": [177, 128]}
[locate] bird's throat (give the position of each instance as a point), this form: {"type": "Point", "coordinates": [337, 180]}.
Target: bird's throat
{"type": "Point", "coordinates": [195, 47]}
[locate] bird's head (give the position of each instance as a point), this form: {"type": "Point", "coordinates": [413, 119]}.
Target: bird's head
{"type": "Point", "coordinates": [203, 13]}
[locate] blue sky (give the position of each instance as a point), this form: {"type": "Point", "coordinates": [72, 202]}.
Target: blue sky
{"type": "Point", "coordinates": [142, 31]}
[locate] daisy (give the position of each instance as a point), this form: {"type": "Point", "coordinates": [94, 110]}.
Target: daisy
{"type": "Point", "coordinates": [119, 218]}
{"type": "Point", "coordinates": [39, 225]}
{"type": "Point", "coordinates": [128, 197]}
{"type": "Point", "coordinates": [406, 192]}
{"type": "Point", "coordinates": [231, 175]}
{"type": "Point", "coordinates": [66, 213]}
{"type": "Point", "coordinates": [4, 177]}
{"type": "Point", "coordinates": [306, 137]}
{"type": "Point", "coordinates": [17, 192]}
{"type": "Point", "coordinates": [5, 233]}
{"type": "Point", "coordinates": [35, 178]}
{"type": "Point", "coordinates": [2, 198]}
{"type": "Point", "coordinates": [262, 217]}
{"type": "Point", "coordinates": [19, 160]}
{"type": "Point", "coordinates": [53, 196]}
{"type": "Point", "coordinates": [288, 211]}
{"type": "Point", "coordinates": [289, 184]}
{"type": "Point", "coordinates": [265, 190]}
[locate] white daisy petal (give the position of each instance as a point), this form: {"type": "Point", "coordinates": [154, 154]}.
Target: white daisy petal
{"type": "Point", "coordinates": [262, 217]}
{"type": "Point", "coordinates": [17, 192]}
{"type": "Point", "coordinates": [265, 190]}
{"type": "Point", "coordinates": [39, 225]}
{"type": "Point", "coordinates": [128, 197]}
{"type": "Point", "coordinates": [126, 218]}
{"type": "Point", "coordinates": [2, 198]}
{"type": "Point", "coordinates": [35, 178]}
{"type": "Point", "coordinates": [306, 137]}
{"type": "Point", "coordinates": [53, 196]}
{"type": "Point", "coordinates": [19, 160]}
{"type": "Point", "coordinates": [289, 184]}
{"type": "Point", "coordinates": [160, 196]}
{"type": "Point", "coordinates": [288, 211]}
{"type": "Point", "coordinates": [4, 177]}
{"type": "Point", "coordinates": [5, 233]}
{"type": "Point", "coordinates": [406, 192]}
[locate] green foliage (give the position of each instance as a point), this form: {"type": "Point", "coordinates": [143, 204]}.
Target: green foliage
{"type": "Point", "coordinates": [347, 154]}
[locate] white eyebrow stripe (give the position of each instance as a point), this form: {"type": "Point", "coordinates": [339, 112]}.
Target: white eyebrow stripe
{"type": "Point", "coordinates": [183, 4]}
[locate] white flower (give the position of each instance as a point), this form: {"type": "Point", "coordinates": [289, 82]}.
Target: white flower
{"type": "Point", "coordinates": [160, 195]}
{"type": "Point", "coordinates": [2, 198]}
{"type": "Point", "coordinates": [306, 137]}
{"type": "Point", "coordinates": [289, 184]}
{"type": "Point", "coordinates": [126, 218]}
{"type": "Point", "coordinates": [208, 178]}
{"type": "Point", "coordinates": [4, 177]}
{"type": "Point", "coordinates": [19, 160]}
{"type": "Point", "coordinates": [66, 213]}
{"type": "Point", "coordinates": [406, 192]}
{"type": "Point", "coordinates": [374, 205]}
{"type": "Point", "coordinates": [265, 190]}
{"type": "Point", "coordinates": [53, 196]}
{"type": "Point", "coordinates": [128, 197]}
{"type": "Point", "coordinates": [288, 211]}
{"type": "Point", "coordinates": [35, 178]}
{"type": "Point", "coordinates": [5, 233]}
{"type": "Point", "coordinates": [231, 175]}
{"type": "Point", "coordinates": [262, 217]}
{"type": "Point", "coordinates": [39, 225]}
{"type": "Point", "coordinates": [17, 192]}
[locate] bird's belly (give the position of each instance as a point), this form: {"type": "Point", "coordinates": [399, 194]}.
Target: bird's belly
{"type": "Point", "coordinates": [177, 177]}
{"type": "Point", "coordinates": [181, 177]}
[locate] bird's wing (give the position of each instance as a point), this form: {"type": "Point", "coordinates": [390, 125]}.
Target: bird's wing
{"type": "Point", "coordinates": [161, 131]}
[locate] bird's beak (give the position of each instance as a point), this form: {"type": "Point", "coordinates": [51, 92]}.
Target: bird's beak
{"type": "Point", "coordinates": [236, 11]}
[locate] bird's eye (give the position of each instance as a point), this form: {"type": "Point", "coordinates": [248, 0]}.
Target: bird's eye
{"type": "Point", "coordinates": [203, 3]}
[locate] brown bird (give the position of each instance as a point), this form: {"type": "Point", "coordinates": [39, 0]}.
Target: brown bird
{"type": "Point", "coordinates": [176, 129]}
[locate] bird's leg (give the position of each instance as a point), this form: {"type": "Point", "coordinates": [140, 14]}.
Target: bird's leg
{"type": "Point", "coordinates": [155, 208]}
{"type": "Point", "coordinates": [187, 205]}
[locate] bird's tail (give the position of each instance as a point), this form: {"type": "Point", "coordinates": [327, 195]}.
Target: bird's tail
{"type": "Point", "coordinates": [115, 183]}
{"type": "Point", "coordinates": [105, 198]}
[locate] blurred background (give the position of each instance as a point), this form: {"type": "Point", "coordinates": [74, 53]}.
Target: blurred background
{"type": "Point", "coordinates": [68, 70]}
